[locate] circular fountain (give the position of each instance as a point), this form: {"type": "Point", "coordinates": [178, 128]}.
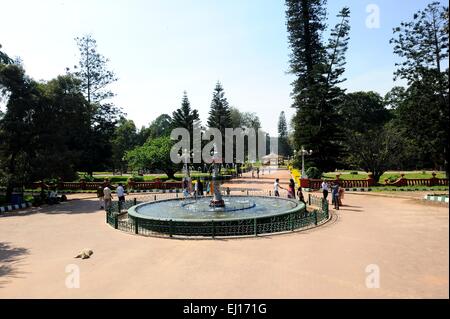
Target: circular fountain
{"type": "Point", "coordinates": [236, 216]}
{"type": "Point", "coordinates": [218, 215]}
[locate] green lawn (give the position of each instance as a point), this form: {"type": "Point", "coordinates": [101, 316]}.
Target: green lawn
{"type": "Point", "coordinates": [364, 175]}
{"type": "Point", "coordinates": [408, 188]}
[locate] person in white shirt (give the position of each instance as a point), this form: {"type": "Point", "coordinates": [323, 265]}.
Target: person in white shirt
{"type": "Point", "coordinates": [325, 189]}
{"type": "Point", "coordinates": [276, 187]}
{"type": "Point", "coordinates": [121, 193]}
{"type": "Point", "coordinates": [107, 196]}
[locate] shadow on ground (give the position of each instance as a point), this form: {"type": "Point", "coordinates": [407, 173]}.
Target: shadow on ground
{"type": "Point", "coordinates": [70, 207]}
{"type": "Point", "coordinates": [11, 259]}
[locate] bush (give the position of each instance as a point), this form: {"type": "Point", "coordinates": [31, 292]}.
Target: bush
{"type": "Point", "coordinates": [314, 173]}
{"type": "Point", "coordinates": [393, 178]}
{"type": "Point", "coordinates": [88, 178]}
{"type": "Point", "coordinates": [354, 173]}
{"type": "Point", "coordinates": [138, 178]}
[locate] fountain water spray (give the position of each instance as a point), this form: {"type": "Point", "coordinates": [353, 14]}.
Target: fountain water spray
{"type": "Point", "coordinates": [217, 200]}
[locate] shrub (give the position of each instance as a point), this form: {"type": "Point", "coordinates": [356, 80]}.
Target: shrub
{"type": "Point", "coordinates": [314, 173]}
{"type": "Point", "coordinates": [88, 178]}
{"type": "Point", "coordinates": [393, 178]}
{"type": "Point", "coordinates": [138, 178]}
{"type": "Point", "coordinates": [354, 173]}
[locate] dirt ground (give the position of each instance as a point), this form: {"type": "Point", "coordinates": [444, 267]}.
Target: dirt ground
{"type": "Point", "coordinates": [400, 245]}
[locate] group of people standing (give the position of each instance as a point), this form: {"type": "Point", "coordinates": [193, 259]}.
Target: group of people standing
{"type": "Point", "coordinates": [337, 193]}
{"type": "Point", "coordinates": [105, 196]}
{"type": "Point", "coordinates": [291, 190]}
{"type": "Point", "coordinates": [199, 188]}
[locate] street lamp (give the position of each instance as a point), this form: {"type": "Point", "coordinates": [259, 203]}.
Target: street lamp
{"type": "Point", "coordinates": [304, 152]}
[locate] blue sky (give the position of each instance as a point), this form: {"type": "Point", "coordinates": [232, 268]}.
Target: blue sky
{"type": "Point", "coordinates": [159, 48]}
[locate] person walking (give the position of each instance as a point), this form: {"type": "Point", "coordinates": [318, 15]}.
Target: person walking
{"type": "Point", "coordinates": [120, 193]}
{"type": "Point", "coordinates": [108, 196]}
{"type": "Point", "coordinates": [100, 196]}
{"type": "Point", "coordinates": [325, 188]}
{"type": "Point", "coordinates": [257, 172]}
{"type": "Point", "coordinates": [335, 195]}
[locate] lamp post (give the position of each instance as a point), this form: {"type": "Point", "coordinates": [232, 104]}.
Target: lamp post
{"type": "Point", "coordinates": [304, 152]}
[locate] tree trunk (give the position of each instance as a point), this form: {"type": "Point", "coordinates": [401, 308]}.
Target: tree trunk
{"type": "Point", "coordinates": [170, 174]}
{"type": "Point", "coordinates": [376, 176]}
{"type": "Point", "coordinates": [9, 191]}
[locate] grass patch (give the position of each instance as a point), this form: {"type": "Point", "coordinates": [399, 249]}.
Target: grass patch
{"type": "Point", "coordinates": [390, 175]}
{"type": "Point", "coordinates": [408, 189]}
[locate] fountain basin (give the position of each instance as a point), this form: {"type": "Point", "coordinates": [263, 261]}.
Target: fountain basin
{"type": "Point", "coordinates": [242, 215]}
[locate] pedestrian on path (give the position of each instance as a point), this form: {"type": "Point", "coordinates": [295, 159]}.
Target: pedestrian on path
{"type": "Point", "coordinates": [325, 188]}
{"type": "Point", "coordinates": [108, 196]}
{"type": "Point", "coordinates": [300, 196]}
{"type": "Point", "coordinates": [100, 196]}
{"type": "Point", "coordinates": [276, 187]}
{"type": "Point", "coordinates": [291, 189]}
{"type": "Point", "coordinates": [335, 195]}
{"type": "Point", "coordinates": [121, 193]}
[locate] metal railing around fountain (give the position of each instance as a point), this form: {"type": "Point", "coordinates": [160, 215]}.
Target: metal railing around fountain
{"type": "Point", "coordinates": [116, 216]}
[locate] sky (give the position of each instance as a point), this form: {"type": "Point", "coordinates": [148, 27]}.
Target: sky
{"type": "Point", "coordinates": [160, 48]}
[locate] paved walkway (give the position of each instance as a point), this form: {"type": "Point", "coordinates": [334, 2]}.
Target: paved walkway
{"type": "Point", "coordinates": [406, 240]}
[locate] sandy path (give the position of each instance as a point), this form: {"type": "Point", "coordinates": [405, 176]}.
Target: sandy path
{"type": "Point", "coordinates": [406, 239]}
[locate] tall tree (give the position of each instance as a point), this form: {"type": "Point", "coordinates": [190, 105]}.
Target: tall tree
{"type": "Point", "coordinates": [361, 111]}
{"type": "Point", "coordinates": [4, 58]}
{"type": "Point", "coordinates": [236, 117]}
{"type": "Point", "coordinates": [125, 138]}
{"type": "Point", "coordinates": [283, 136]}
{"type": "Point", "coordinates": [376, 150]}
{"type": "Point", "coordinates": [422, 43]}
{"type": "Point", "coordinates": [95, 79]}
{"type": "Point", "coordinates": [318, 68]}
{"type": "Point", "coordinates": [423, 46]}
{"type": "Point", "coordinates": [43, 130]}
{"type": "Point", "coordinates": [15, 134]}
{"type": "Point", "coordinates": [154, 155]}
{"type": "Point", "coordinates": [185, 117]}
{"type": "Point", "coordinates": [250, 120]}
{"type": "Point", "coordinates": [93, 71]}
{"type": "Point", "coordinates": [220, 114]}
{"type": "Point", "coordinates": [61, 128]}
{"type": "Point", "coordinates": [365, 143]}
